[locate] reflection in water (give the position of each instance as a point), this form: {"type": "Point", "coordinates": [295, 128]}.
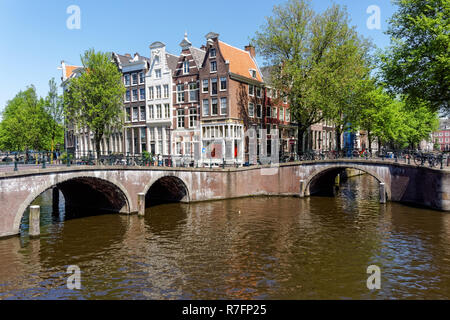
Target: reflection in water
{"type": "Point", "coordinates": [258, 248]}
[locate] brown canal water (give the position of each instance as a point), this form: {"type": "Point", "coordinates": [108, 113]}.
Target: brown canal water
{"type": "Point", "coordinates": [255, 248]}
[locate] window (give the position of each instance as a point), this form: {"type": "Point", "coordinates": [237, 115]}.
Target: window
{"type": "Point", "coordinates": [167, 110]}
{"type": "Point", "coordinates": [213, 66]}
{"type": "Point", "coordinates": [206, 107]}
{"type": "Point", "coordinates": [268, 112]}
{"type": "Point", "coordinates": [223, 84]}
{"type": "Point", "coordinates": [127, 79]}
{"type": "Point", "coordinates": [141, 78]}
{"type": "Point", "coordinates": [142, 94]}
{"type": "Point", "coordinates": [158, 92]}
{"type": "Point", "coordinates": [150, 93]}
{"type": "Point", "coordinates": [281, 114]}
{"type": "Point", "coordinates": [135, 114]}
{"type": "Point", "coordinates": [158, 73]}
{"type": "Point", "coordinates": [251, 90]}
{"type": "Point", "coordinates": [214, 107]}
{"type": "Point", "coordinates": [150, 111]}
{"type": "Point", "coordinates": [212, 53]}
{"type": "Point", "coordinates": [158, 111]}
{"type": "Point", "coordinates": [180, 93]}
{"type": "Point", "coordinates": [223, 106]}
{"type": "Point", "coordinates": [180, 117]}
{"type": "Point", "coordinates": [259, 111]}
{"type": "Point", "coordinates": [185, 67]}
{"type": "Point", "coordinates": [128, 96]}
{"type": "Point", "coordinates": [269, 93]}
{"type": "Point", "coordinates": [143, 114]}
{"type": "Point", "coordinates": [192, 118]}
{"type": "Point", "coordinates": [274, 113]}
{"type": "Point", "coordinates": [205, 87]}
{"type": "Point", "coordinates": [258, 92]}
{"type": "Point", "coordinates": [288, 115]}
{"type": "Point", "coordinates": [166, 91]}
{"type": "Point", "coordinates": [128, 114]}
{"type": "Point", "coordinates": [193, 91]}
{"type": "Point", "coordinates": [135, 95]}
{"type": "Point", "coordinates": [251, 110]}
{"type": "Point", "coordinates": [214, 86]}
{"type": "Point", "coordinates": [253, 73]}
{"type": "Point", "coordinates": [134, 76]}
{"type": "Point", "coordinates": [285, 99]}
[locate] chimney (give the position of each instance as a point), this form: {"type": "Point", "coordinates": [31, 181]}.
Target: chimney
{"type": "Point", "coordinates": [203, 47]}
{"type": "Point", "coordinates": [128, 55]}
{"type": "Point", "coordinates": [251, 50]}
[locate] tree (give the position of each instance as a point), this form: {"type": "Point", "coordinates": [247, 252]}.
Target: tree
{"type": "Point", "coordinates": [94, 99]}
{"type": "Point", "coordinates": [418, 63]}
{"type": "Point", "coordinates": [24, 124]}
{"type": "Point", "coordinates": [312, 56]}
{"type": "Point", "coordinates": [55, 111]}
{"type": "Point", "coordinates": [393, 120]}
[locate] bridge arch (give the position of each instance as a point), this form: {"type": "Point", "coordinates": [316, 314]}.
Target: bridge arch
{"type": "Point", "coordinates": [118, 196]}
{"type": "Point", "coordinates": [325, 172]}
{"type": "Point", "coordinates": [166, 189]}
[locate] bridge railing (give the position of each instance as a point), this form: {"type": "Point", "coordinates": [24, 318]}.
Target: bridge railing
{"type": "Point", "coordinates": [43, 159]}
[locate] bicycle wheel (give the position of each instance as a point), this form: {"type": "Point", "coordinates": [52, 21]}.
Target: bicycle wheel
{"type": "Point", "coordinates": [417, 160]}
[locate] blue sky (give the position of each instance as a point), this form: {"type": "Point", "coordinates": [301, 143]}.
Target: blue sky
{"type": "Point", "coordinates": [34, 37]}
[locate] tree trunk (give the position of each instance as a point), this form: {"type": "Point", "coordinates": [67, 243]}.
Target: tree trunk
{"type": "Point", "coordinates": [97, 138]}
{"type": "Point", "coordinates": [300, 142]}
{"type": "Point", "coordinates": [338, 138]}
{"type": "Point", "coordinates": [369, 137]}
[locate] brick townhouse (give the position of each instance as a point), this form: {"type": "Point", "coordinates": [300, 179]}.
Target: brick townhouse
{"type": "Point", "coordinates": [186, 102]}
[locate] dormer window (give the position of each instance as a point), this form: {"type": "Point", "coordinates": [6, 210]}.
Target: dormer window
{"type": "Point", "coordinates": [212, 53]}
{"type": "Point", "coordinates": [253, 73]}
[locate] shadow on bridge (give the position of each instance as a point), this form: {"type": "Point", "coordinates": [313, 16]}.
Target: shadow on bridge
{"type": "Point", "coordinates": [80, 197]}
{"type": "Point", "coordinates": [166, 190]}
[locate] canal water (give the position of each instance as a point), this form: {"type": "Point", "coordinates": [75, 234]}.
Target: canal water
{"type": "Point", "coordinates": [255, 248]}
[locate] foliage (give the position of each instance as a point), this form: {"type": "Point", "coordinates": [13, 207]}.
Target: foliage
{"type": "Point", "coordinates": [54, 108]}
{"type": "Point", "coordinates": [25, 123]}
{"type": "Point", "coordinates": [317, 59]}
{"type": "Point", "coordinates": [94, 99]}
{"type": "Point", "coordinates": [418, 63]}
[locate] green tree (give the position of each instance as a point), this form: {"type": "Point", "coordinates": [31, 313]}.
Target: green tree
{"type": "Point", "coordinates": [312, 57]}
{"type": "Point", "coordinates": [418, 63]}
{"type": "Point", "coordinates": [94, 99]}
{"type": "Point", "coordinates": [55, 111]}
{"type": "Point", "coordinates": [24, 124]}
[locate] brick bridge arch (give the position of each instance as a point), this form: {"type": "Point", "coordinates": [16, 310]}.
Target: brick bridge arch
{"type": "Point", "coordinates": [176, 188]}
{"type": "Point", "coordinates": [74, 177]}
{"type": "Point", "coordinates": [320, 172]}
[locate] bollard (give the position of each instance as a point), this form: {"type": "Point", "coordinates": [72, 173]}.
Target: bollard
{"type": "Point", "coordinates": [34, 227]}
{"type": "Point", "coordinates": [141, 204]}
{"type": "Point", "coordinates": [43, 162]}
{"type": "Point", "coordinates": [302, 188]}
{"type": "Point", "coordinates": [382, 193]}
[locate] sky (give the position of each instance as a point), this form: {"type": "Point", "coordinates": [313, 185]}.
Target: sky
{"type": "Point", "coordinates": [34, 37]}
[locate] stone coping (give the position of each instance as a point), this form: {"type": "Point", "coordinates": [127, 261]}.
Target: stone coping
{"type": "Point", "coordinates": [65, 169]}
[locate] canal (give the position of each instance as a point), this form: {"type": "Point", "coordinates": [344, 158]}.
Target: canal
{"type": "Point", "coordinates": [254, 248]}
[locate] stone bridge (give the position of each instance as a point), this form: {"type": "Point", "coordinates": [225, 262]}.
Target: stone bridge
{"type": "Point", "coordinates": [116, 189]}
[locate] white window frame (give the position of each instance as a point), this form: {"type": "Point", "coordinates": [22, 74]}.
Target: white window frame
{"type": "Point", "coordinates": [212, 108]}
{"type": "Point", "coordinates": [211, 66]}
{"type": "Point", "coordinates": [221, 106]}
{"type": "Point", "coordinates": [220, 84]}
{"type": "Point", "coordinates": [253, 91]}
{"type": "Point", "coordinates": [151, 93]}
{"type": "Point", "coordinates": [158, 73]}
{"type": "Point", "coordinates": [132, 79]}
{"type": "Point", "coordinates": [203, 85]}
{"type": "Point", "coordinates": [211, 51]}
{"type": "Point", "coordinates": [186, 63]}
{"type": "Point", "coordinates": [166, 91]}
{"type": "Point", "coordinates": [203, 108]}
{"type": "Point", "coordinates": [251, 109]}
